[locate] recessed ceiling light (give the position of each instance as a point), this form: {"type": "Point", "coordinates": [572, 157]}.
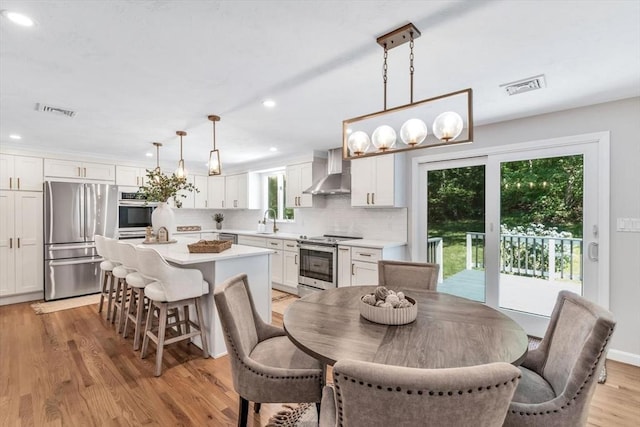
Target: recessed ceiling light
{"type": "Point", "coordinates": [269, 103]}
{"type": "Point", "coordinates": [18, 18]}
{"type": "Point", "coordinates": [273, 149]}
{"type": "Point", "coordinates": [15, 136]}
{"type": "Point", "coordinates": [148, 154]}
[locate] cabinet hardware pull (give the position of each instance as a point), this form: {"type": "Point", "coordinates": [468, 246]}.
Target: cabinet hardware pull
{"type": "Point", "coordinates": [18, 243]}
{"type": "Point", "coordinates": [361, 254]}
{"type": "Point", "coordinates": [223, 203]}
{"type": "Point", "coordinates": [352, 273]}
{"type": "Point", "coordinates": [10, 183]}
{"type": "Point", "coordinates": [368, 198]}
{"type": "Point", "coordinates": [205, 203]}
{"type": "Point", "coordinates": [10, 242]}
{"type": "Point", "coordinates": [343, 249]}
{"type": "Point", "coordinates": [85, 172]}
{"type": "Point", "coordinates": [18, 183]}
{"type": "Point", "coordinates": [373, 201]}
{"type": "Point", "coordinates": [295, 259]}
{"type": "Point", "coordinates": [79, 171]}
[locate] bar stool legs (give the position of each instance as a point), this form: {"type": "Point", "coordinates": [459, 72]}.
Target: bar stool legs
{"type": "Point", "coordinates": [158, 336]}
{"type": "Point", "coordinates": [135, 313]}
{"type": "Point", "coordinates": [107, 290]}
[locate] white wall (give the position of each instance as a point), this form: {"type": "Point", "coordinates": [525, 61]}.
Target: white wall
{"type": "Point", "coordinates": [622, 119]}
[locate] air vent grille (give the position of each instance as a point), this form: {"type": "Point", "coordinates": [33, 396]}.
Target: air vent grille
{"type": "Point", "coordinates": [55, 110]}
{"type": "Point", "coordinates": [524, 85]}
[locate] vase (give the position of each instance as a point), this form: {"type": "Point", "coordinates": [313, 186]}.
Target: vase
{"type": "Point", "coordinates": [218, 226]}
{"type": "Point", "coordinates": [163, 216]}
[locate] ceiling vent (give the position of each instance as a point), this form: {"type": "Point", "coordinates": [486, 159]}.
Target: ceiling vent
{"type": "Point", "coordinates": [525, 85]}
{"type": "Point", "coordinates": [55, 110]}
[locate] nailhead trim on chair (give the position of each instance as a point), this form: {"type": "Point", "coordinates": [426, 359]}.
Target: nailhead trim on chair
{"type": "Point", "coordinates": [336, 376]}
{"type": "Point", "coordinates": [235, 351]}
{"type": "Point", "coordinates": [568, 403]}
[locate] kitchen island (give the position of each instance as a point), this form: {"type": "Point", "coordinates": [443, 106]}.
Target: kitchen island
{"type": "Point", "coordinates": [217, 267]}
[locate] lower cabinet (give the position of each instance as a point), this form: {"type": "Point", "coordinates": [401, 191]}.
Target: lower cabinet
{"type": "Point", "coordinates": [284, 260]}
{"type": "Point", "coordinates": [344, 266]}
{"type": "Point", "coordinates": [359, 265]}
{"type": "Point", "coordinates": [21, 249]}
{"type": "Point", "coordinates": [276, 260]}
{"type": "Point", "coordinates": [290, 264]}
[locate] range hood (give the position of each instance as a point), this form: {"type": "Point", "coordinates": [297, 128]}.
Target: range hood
{"type": "Point", "coordinates": [338, 179]}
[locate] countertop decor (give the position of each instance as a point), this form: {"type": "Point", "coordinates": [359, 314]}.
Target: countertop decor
{"type": "Point", "coordinates": [209, 246]}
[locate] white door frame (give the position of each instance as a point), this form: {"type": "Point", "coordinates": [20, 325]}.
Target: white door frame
{"type": "Point", "coordinates": [466, 158]}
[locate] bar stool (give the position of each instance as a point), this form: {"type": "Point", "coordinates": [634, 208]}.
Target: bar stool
{"type": "Point", "coordinates": [107, 279]}
{"type": "Point", "coordinates": [119, 272]}
{"type": "Point", "coordinates": [174, 288]}
{"type": "Point", "coordinates": [135, 309]}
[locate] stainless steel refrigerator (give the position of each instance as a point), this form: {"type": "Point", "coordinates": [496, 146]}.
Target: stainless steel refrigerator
{"type": "Point", "coordinates": [73, 214]}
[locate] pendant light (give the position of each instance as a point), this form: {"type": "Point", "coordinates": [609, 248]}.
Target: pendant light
{"type": "Point", "coordinates": [181, 172]}
{"type": "Point", "coordinates": [157, 170]}
{"type": "Point", "coordinates": [215, 168]}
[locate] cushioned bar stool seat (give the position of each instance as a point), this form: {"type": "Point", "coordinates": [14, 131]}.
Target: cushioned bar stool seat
{"type": "Point", "coordinates": [107, 279]}
{"type": "Point", "coordinates": [174, 288]}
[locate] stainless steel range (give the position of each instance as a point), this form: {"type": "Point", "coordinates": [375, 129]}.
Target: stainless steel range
{"type": "Point", "coordinates": [318, 262]}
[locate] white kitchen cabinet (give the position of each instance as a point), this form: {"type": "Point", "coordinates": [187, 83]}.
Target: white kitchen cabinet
{"type": "Point", "coordinates": [200, 200]}
{"type": "Point", "coordinates": [259, 242]}
{"type": "Point", "coordinates": [364, 273]}
{"type": "Point", "coordinates": [363, 265]}
{"type": "Point", "coordinates": [130, 176]}
{"type": "Point", "coordinates": [276, 260]}
{"type": "Point", "coordinates": [209, 236]}
{"type": "Point", "coordinates": [290, 264]}
{"type": "Point", "coordinates": [299, 177]}
{"type": "Point", "coordinates": [215, 192]}
{"type": "Point", "coordinates": [20, 173]}
{"type": "Point", "coordinates": [54, 168]}
{"type": "Point", "coordinates": [236, 191]}
{"type": "Point", "coordinates": [344, 266]}
{"type": "Point", "coordinates": [21, 248]}
{"type": "Point", "coordinates": [378, 181]}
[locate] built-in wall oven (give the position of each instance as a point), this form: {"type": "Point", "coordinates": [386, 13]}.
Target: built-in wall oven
{"type": "Point", "coordinates": [318, 267]}
{"type": "Point", "coordinates": [134, 216]}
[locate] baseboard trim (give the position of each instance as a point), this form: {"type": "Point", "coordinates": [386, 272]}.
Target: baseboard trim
{"type": "Point", "coordinates": [624, 357]}
{"type": "Point", "coordinates": [16, 299]}
{"type": "Point", "coordinates": [285, 288]}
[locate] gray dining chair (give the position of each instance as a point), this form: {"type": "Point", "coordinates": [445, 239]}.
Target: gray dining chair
{"type": "Point", "coordinates": [368, 394]}
{"type": "Point", "coordinates": [404, 274]}
{"type": "Point", "coordinates": [559, 377]}
{"type": "Point", "coordinates": [266, 366]}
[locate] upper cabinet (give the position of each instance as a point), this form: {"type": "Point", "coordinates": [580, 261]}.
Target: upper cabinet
{"type": "Point", "coordinates": [299, 177]}
{"type": "Point", "coordinates": [378, 181]}
{"type": "Point", "coordinates": [130, 176]}
{"type": "Point", "coordinates": [200, 200]}
{"type": "Point", "coordinates": [54, 168]}
{"type": "Point", "coordinates": [236, 191]}
{"type": "Point", "coordinates": [20, 173]}
{"type": "Point", "coordinates": [215, 192]}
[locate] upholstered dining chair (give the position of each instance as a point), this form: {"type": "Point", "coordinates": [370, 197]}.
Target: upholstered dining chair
{"type": "Point", "coordinates": [367, 394]}
{"type": "Point", "coordinates": [405, 274]}
{"type": "Point", "coordinates": [174, 288]}
{"type": "Point", "coordinates": [559, 377]}
{"type": "Point", "coordinates": [266, 366]}
{"type": "Point", "coordinates": [106, 268]}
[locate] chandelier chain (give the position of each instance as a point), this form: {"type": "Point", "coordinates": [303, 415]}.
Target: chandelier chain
{"type": "Point", "coordinates": [411, 69]}
{"type": "Point", "coordinates": [384, 74]}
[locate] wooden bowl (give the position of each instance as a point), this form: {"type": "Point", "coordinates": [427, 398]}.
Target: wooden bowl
{"type": "Point", "coordinates": [389, 316]}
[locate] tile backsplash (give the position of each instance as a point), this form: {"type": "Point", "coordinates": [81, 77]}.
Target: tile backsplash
{"type": "Point", "coordinates": [336, 217]}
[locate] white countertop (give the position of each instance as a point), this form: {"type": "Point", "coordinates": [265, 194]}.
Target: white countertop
{"type": "Point", "coordinates": [178, 253]}
{"type": "Point", "coordinates": [376, 244]}
{"type": "Point", "coordinates": [278, 235]}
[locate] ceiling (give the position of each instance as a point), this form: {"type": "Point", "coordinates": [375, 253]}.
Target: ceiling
{"type": "Point", "coordinates": [136, 71]}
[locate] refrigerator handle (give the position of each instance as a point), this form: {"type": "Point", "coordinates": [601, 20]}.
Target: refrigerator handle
{"type": "Point", "coordinates": [82, 209]}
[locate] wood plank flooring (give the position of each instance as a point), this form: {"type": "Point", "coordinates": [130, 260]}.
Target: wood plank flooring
{"type": "Point", "coordinates": [69, 368]}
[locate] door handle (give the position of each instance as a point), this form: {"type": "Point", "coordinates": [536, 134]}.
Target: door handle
{"type": "Point", "coordinates": [373, 200]}
{"type": "Point", "coordinates": [18, 243]}
{"type": "Point", "coordinates": [368, 198]}
{"type": "Point", "coordinates": [592, 251]}
{"type": "Point", "coordinates": [85, 172]}
{"type": "Point", "coordinates": [10, 183]}
{"type": "Point", "coordinates": [352, 273]}
{"type": "Point", "coordinates": [18, 183]}
{"type": "Point", "coordinates": [295, 259]}
{"type": "Point", "coordinates": [10, 242]}
{"type": "Point", "coordinates": [79, 171]}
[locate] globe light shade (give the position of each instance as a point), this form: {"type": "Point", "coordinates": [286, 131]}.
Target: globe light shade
{"type": "Point", "coordinates": [413, 132]}
{"type": "Point", "coordinates": [384, 137]}
{"type": "Point", "coordinates": [447, 126]}
{"type": "Point", "coordinates": [359, 143]}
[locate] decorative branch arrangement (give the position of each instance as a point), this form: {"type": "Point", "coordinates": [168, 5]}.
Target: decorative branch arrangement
{"type": "Point", "coordinates": [160, 188]}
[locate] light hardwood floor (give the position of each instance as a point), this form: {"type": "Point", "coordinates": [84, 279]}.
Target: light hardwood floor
{"type": "Point", "coordinates": [69, 368]}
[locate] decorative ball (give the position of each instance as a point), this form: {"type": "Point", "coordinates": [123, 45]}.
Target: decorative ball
{"type": "Point", "coordinates": [393, 300]}
{"type": "Point", "coordinates": [381, 293]}
{"type": "Point", "coordinates": [400, 295]}
{"type": "Point", "coordinates": [369, 299]}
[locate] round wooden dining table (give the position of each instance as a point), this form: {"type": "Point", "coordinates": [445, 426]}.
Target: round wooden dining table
{"type": "Point", "coordinates": [449, 331]}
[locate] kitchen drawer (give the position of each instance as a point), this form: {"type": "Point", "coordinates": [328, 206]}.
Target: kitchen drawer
{"type": "Point", "coordinates": [366, 254]}
{"type": "Point", "coordinates": [260, 242]}
{"type": "Point", "coordinates": [290, 245]}
{"type": "Point", "coordinates": [274, 244]}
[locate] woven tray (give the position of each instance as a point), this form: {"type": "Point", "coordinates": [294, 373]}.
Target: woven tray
{"type": "Point", "coordinates": [209, 246]}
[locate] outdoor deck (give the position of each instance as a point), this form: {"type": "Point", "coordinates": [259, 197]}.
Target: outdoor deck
{"type": "Point", "coordinates": [516, 292]}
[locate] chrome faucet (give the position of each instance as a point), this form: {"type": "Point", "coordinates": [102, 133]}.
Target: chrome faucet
{"type": "Point", "coordinates": [266, 215]}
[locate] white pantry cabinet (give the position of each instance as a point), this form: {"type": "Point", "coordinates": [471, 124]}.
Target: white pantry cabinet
{"type": "Point", "coordinates": [20, 173]}
{"type": "Point", "coordinates": [21, 248]}
{"type": "Point", "coordinates": [54, 168]}
{"type": "Point", "coordinates": [130, 176]}
{"type": "Point", "coordinates": [378, 181]}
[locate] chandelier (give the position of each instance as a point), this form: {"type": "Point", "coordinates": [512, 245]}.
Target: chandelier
{"type": "Point", "coordinates": [450, 116]}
